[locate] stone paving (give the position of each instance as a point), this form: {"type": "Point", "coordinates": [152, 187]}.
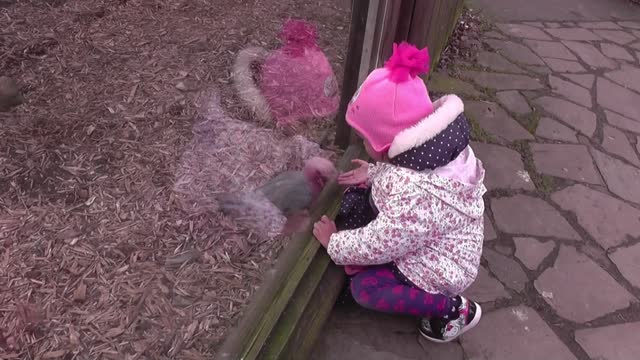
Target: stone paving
{"type": "Point", "coordinates": [557, 112]}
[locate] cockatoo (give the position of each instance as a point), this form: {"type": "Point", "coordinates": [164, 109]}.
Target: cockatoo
{"type": "Point", "coordinates": [290, 194]}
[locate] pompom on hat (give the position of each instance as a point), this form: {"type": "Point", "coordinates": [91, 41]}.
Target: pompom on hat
{"type": "Point", "coordinates": [392, 98]}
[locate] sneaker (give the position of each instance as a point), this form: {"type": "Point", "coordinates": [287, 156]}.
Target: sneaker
{"type": "Point", "coordinates": [442, 330]}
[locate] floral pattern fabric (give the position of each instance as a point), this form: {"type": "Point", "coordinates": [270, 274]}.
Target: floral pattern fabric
{"type": "Point", "coordinates": [430, 226]}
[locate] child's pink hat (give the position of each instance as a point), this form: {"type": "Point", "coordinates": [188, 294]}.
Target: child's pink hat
{"type": "Point", "coordinates": [392, 98]}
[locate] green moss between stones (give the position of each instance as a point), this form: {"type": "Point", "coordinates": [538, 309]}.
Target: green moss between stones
{"type": "Point", "coordinates": [531, 121]}
{"type": "Point", "coordinates": [544, 183]}
{"type": "Point", "coordinates": [445, 84]}
{"type": "Point", "coordinates": [490, 93]}
{"type": "Point", "coordinates": [469, 66]}
{"type": "Point", "coordinates": [477, 132]}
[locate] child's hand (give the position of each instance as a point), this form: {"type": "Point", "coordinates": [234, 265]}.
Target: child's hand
{"type": "Point", "coordinates": [353, 269]}
{"type": "Point", "coordinates": [323, 230]}
{"type": "Point", "coordinates": [357, 176]}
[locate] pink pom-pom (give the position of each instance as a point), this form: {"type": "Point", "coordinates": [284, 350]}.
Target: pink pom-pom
{"type": "Point", "coordinates": [299, 34]}
{"type": "Point", "coordinates": [407, 62]}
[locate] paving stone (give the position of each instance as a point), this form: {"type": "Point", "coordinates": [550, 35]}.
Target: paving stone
{"type": "Point", "coordinates": [608, 220]}
{"type": "Point", "coordinates": [627, 261]}
{"type": "Point", "coordinates": [608, 25]}
{"type": "Point", "coordinates": [494, 35]}
{"type": "Point", "coordinates": [585, 80]}
{"type": "Point", "coordinates": [614, 342]}
{"type": "Point", "coordinates": [576, 34]}
{"type": "Point", "coordinates": [638, 144]}
{"type": "Point", "coordinates": [504, 167]}
{"type": "Point", "coordinates": [570, 91]}
{"type": "Point", "coordinates": [514, 333]}
{"type": "Point", "coordinates": [531, 216]}
{"type": "Point", "coordinates": [635, 46]}
{"type": "Point", "coordinates": [534, 23]}
{"type": "Point", "coordinates": [503, 81]}
{"type": "Point", "coordinates": [564, 66]}
{"type": "Point", "coordinates": [579, 290]}
{"type": "Point", "coordinates": [630, 24]}
{"type": "Point", "coordinates": [532, 252]}
{"type": "Point", "coordinates": [442, 83]}
{"type": "Point", "coordinates": [628, 76]}
{"type": "Point", "coordinates": [355, 333]}
{"type": "Point", "coordinates": [616, 142]}
{"type": "Point", "coordinates": [452, 350]}
{"type": "Point", "coordinates": [553, 130]}
{"type": "Point", "coordinates": [622, 122]}
{"type": "Point", "coordinates": [621, 179]}
{"type": "Point", "coordinates": [504, 250]}
{"type": "Point", "coordinates": [550, 49]}
{"type": "Point", "coordinates": [565, 161]}
{"type": "Point", "coordinates": [507, 270]}
{"type": "Point", "coordinates": [552, 25]}
{"type": "Point", "coordinates": [516, 52]}
{"type": "Point", "coordinates": [539, 69]}
{"type": "Point", "coordinates": [523, 31]}
{"type": "Point", "coordinates": [496, 121]}
{"type": "Point", "coordinates": [616, 36]}
{"type": "Point", "coordinates": [636, 33]}
{"type": "Point", "coordinates": [489, 231]}
{"type": "Point", "coordinates": [616, 52]}
{"type": "Point", "coordinates": [571, 114]}
{"type": "Point", "coordinates": [497, 62]}
{"type": "Point", "coordinates": [514, 102]}
{"type": "Point", "coordinates": [616, 98]}
{"type": "Point", "coordinates": [485, 288]}
{"type": "Point", "coordinates": [590, 55]}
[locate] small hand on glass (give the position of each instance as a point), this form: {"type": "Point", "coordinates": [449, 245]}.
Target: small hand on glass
{"type": "Point", "coordinates": [357, 176]}
{"type": "Point", "coordinates": [323, 230]}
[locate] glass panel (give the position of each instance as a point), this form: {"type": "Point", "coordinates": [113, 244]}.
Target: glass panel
{"type": "Point", "coordinates": [135, 120]}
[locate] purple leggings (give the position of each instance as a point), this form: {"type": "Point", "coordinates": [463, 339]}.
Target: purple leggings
{"type": "Point", "coordinates": [383, 288]}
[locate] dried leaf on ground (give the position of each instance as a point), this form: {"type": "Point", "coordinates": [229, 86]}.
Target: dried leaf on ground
{"type": "Point", "coordinates": [80, 293]}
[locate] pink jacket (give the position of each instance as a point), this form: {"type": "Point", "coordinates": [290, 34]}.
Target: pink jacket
{"type": "Point", "coordinates": [430, 224]}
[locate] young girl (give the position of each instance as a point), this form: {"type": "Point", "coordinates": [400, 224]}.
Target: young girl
{"type": "Point", "coordinates": [412, 224]}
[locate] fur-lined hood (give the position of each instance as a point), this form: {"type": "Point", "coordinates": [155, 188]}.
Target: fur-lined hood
{"type": "Point", "coordinates": [436, 140]}
{"type": "Point", "coordinates": [446, 110]}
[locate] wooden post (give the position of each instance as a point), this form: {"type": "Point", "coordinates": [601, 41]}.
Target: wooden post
{"type": "Point", "coordinates": [432, 22]}
{"type": "Point", "coordinates": [375, 26]}
{"type": "Point", "coordinates": [370, 43]}
{"type": "Point", "coordinates": [359, 12]}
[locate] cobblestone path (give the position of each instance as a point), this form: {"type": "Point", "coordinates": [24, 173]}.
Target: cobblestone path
{"type": "Point", "coordinates": [556, 109]}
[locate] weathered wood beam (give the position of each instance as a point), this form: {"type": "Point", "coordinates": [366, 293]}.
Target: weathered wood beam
{"type": "Point", "coordinates": [359, 14]}
{"type": "Point", "coordinates": [287, 339]}
{"type": "Point", "coordinates": [315, 315]}
{"type": "Point", "coordinates": [432, 23]}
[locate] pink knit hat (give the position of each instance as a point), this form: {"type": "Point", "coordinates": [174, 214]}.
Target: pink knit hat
{"type": "Point", "coordinates": [392, 98]}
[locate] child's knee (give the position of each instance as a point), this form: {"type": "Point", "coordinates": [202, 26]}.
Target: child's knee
{"type": "Point", "coordinates": [363, 287]}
